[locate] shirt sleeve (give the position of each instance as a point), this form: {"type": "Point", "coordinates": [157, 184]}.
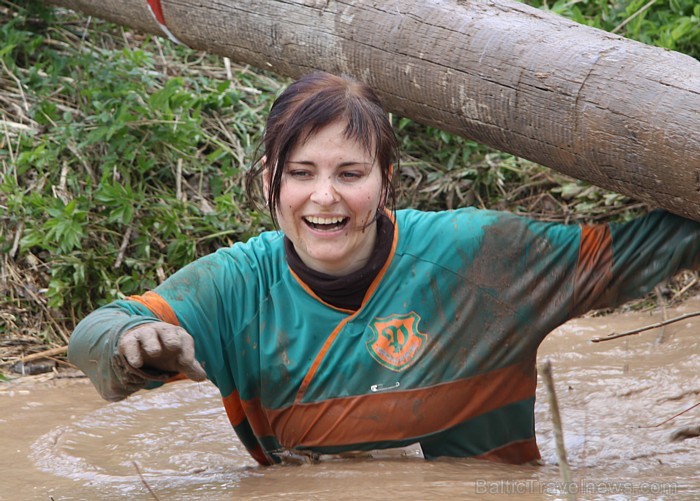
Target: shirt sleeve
{"type": "Point", "coordinates": [205, 298]}
{"type": "Point", "coordinates": [93, 348]}
{"type": "Point", "coordinates": [620, 262]}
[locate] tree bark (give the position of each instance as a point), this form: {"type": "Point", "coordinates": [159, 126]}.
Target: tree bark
{"type": "Point", "coordinates": [620, 114]}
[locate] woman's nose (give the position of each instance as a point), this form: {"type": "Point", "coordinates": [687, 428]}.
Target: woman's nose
{"type": "Point", "coordinates": [324, 192]}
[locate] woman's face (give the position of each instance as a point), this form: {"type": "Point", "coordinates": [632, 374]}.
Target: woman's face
{"type": "Point", "coordinates": [329, 195]}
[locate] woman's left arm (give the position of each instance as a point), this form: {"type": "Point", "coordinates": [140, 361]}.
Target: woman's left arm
{"type": "Point", "coordinates": [620, 262]}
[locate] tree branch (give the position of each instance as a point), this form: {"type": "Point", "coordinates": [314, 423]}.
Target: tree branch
{"type": "Point", "coordinates": [615, 335]}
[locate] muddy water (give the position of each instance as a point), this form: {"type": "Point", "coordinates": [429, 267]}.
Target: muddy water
{"type": "Point", "coordinates": [59, 440]}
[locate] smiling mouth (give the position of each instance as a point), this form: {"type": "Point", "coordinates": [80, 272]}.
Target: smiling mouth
{"type": "Point", "coordinates": [326, 223]}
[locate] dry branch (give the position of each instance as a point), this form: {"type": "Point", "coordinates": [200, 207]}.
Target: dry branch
{"type": "Point", "coordinates": [143, 481]}
{"type": "Point", "coordinates": [672, 417]}
{"type": "Point", "coordinates": [646, 327]}
{"type": "Point", "coordinates": [44, 354]}
{"type": "Point", "coordinates": [545, 371]}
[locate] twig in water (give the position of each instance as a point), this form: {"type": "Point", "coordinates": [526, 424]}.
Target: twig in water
{"type": "Point", "coordinates": [545, 370]}
{"type": "Point", "coordinates": [664, 314]}
{"type": "Point", "coordinates": [672, 417]}
{"type": "Point", "coordinates": [615, 335]}
{"type": "Point", "coordinates": [143, 480]}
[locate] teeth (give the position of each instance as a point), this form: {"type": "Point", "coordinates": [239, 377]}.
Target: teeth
{"type": "Point", "coordinates": [324, 220]}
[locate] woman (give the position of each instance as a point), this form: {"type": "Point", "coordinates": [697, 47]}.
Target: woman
{"type": "Point", "coordinates": [358, 328]}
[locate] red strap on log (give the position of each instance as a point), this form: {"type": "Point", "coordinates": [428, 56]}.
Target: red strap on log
{"type": "Point", "coordinates": [156, 10]}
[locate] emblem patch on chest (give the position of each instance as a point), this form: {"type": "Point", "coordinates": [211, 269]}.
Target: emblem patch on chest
{"type": "Point", "coordinates": [396, 341]}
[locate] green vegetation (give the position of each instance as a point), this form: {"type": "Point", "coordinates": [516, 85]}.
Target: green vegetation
{"type": "Point", "coordinates": [122, 156]}
{"type": "Point", "coordinates": [121, 162]}
{"type": "Point", "coordinates": [673, 24]}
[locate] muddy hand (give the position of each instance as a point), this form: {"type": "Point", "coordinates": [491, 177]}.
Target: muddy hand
{"type": "Point", "coordinates": [163, 347]}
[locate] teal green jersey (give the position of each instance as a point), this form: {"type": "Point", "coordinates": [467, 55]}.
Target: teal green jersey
{"type": "Point", "coordinates": [441, 352]}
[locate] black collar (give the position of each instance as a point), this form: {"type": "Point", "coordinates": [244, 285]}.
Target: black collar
{"type": "Point", "coordinates": [347, 291]}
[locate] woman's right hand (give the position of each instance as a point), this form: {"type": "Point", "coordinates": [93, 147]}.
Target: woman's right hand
{"type": "Point", "coordinates": [163, 347]}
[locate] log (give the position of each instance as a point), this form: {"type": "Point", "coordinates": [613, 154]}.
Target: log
{"type": "Point", "coordinates": [620, 114]}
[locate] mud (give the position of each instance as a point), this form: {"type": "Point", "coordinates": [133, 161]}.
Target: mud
{"type": "Point", "coordinates": [617, 398]}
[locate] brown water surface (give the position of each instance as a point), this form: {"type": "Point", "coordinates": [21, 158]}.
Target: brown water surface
{"type": "Point", "coordinates": [59, 440]}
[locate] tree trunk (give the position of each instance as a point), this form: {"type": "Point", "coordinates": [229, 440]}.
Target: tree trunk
{"type": "Point", "coordinates": [620, 114]}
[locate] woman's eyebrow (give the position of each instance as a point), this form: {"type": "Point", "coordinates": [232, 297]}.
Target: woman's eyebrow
{"type": "Point", "coordinates": [347, 163]}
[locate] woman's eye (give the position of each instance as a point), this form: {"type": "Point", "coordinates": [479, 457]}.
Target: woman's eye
{"type": "Point", "coordinates": [350, 175]}
{"type": "Point", "coordinates": [299, 174]}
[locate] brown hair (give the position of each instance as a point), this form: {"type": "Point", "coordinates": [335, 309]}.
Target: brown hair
{"type": "Point", "coordinates": [311, 103]}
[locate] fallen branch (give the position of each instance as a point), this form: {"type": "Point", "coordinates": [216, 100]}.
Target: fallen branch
{"type": "Point", "coordinates": [122, 247]}
{"type": "Point", "coordinates": [44, 354]}
{"type": "Point", "coordinates": [545, 370]}
{"type": "Point", "coordinates": [143, 480]}
{"type": "Point", "coordinates": [672, 417]}
{"type": "Point", "coordinates": [664, 313]}
{"type": "Point", "coordinates": [685, 289]}
{"type": "Point", "coordinates": [615, 335]}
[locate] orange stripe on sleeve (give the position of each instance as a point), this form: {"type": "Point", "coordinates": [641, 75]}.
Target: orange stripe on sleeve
{"type": "Point", "coordinates": [594, 266]}
{"type": "Point", "coordinates": [158, 306]}
{"type": "Point", "coordinates": [161, 309]}
{"type": "Point", "coordinates": [595, 241]}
